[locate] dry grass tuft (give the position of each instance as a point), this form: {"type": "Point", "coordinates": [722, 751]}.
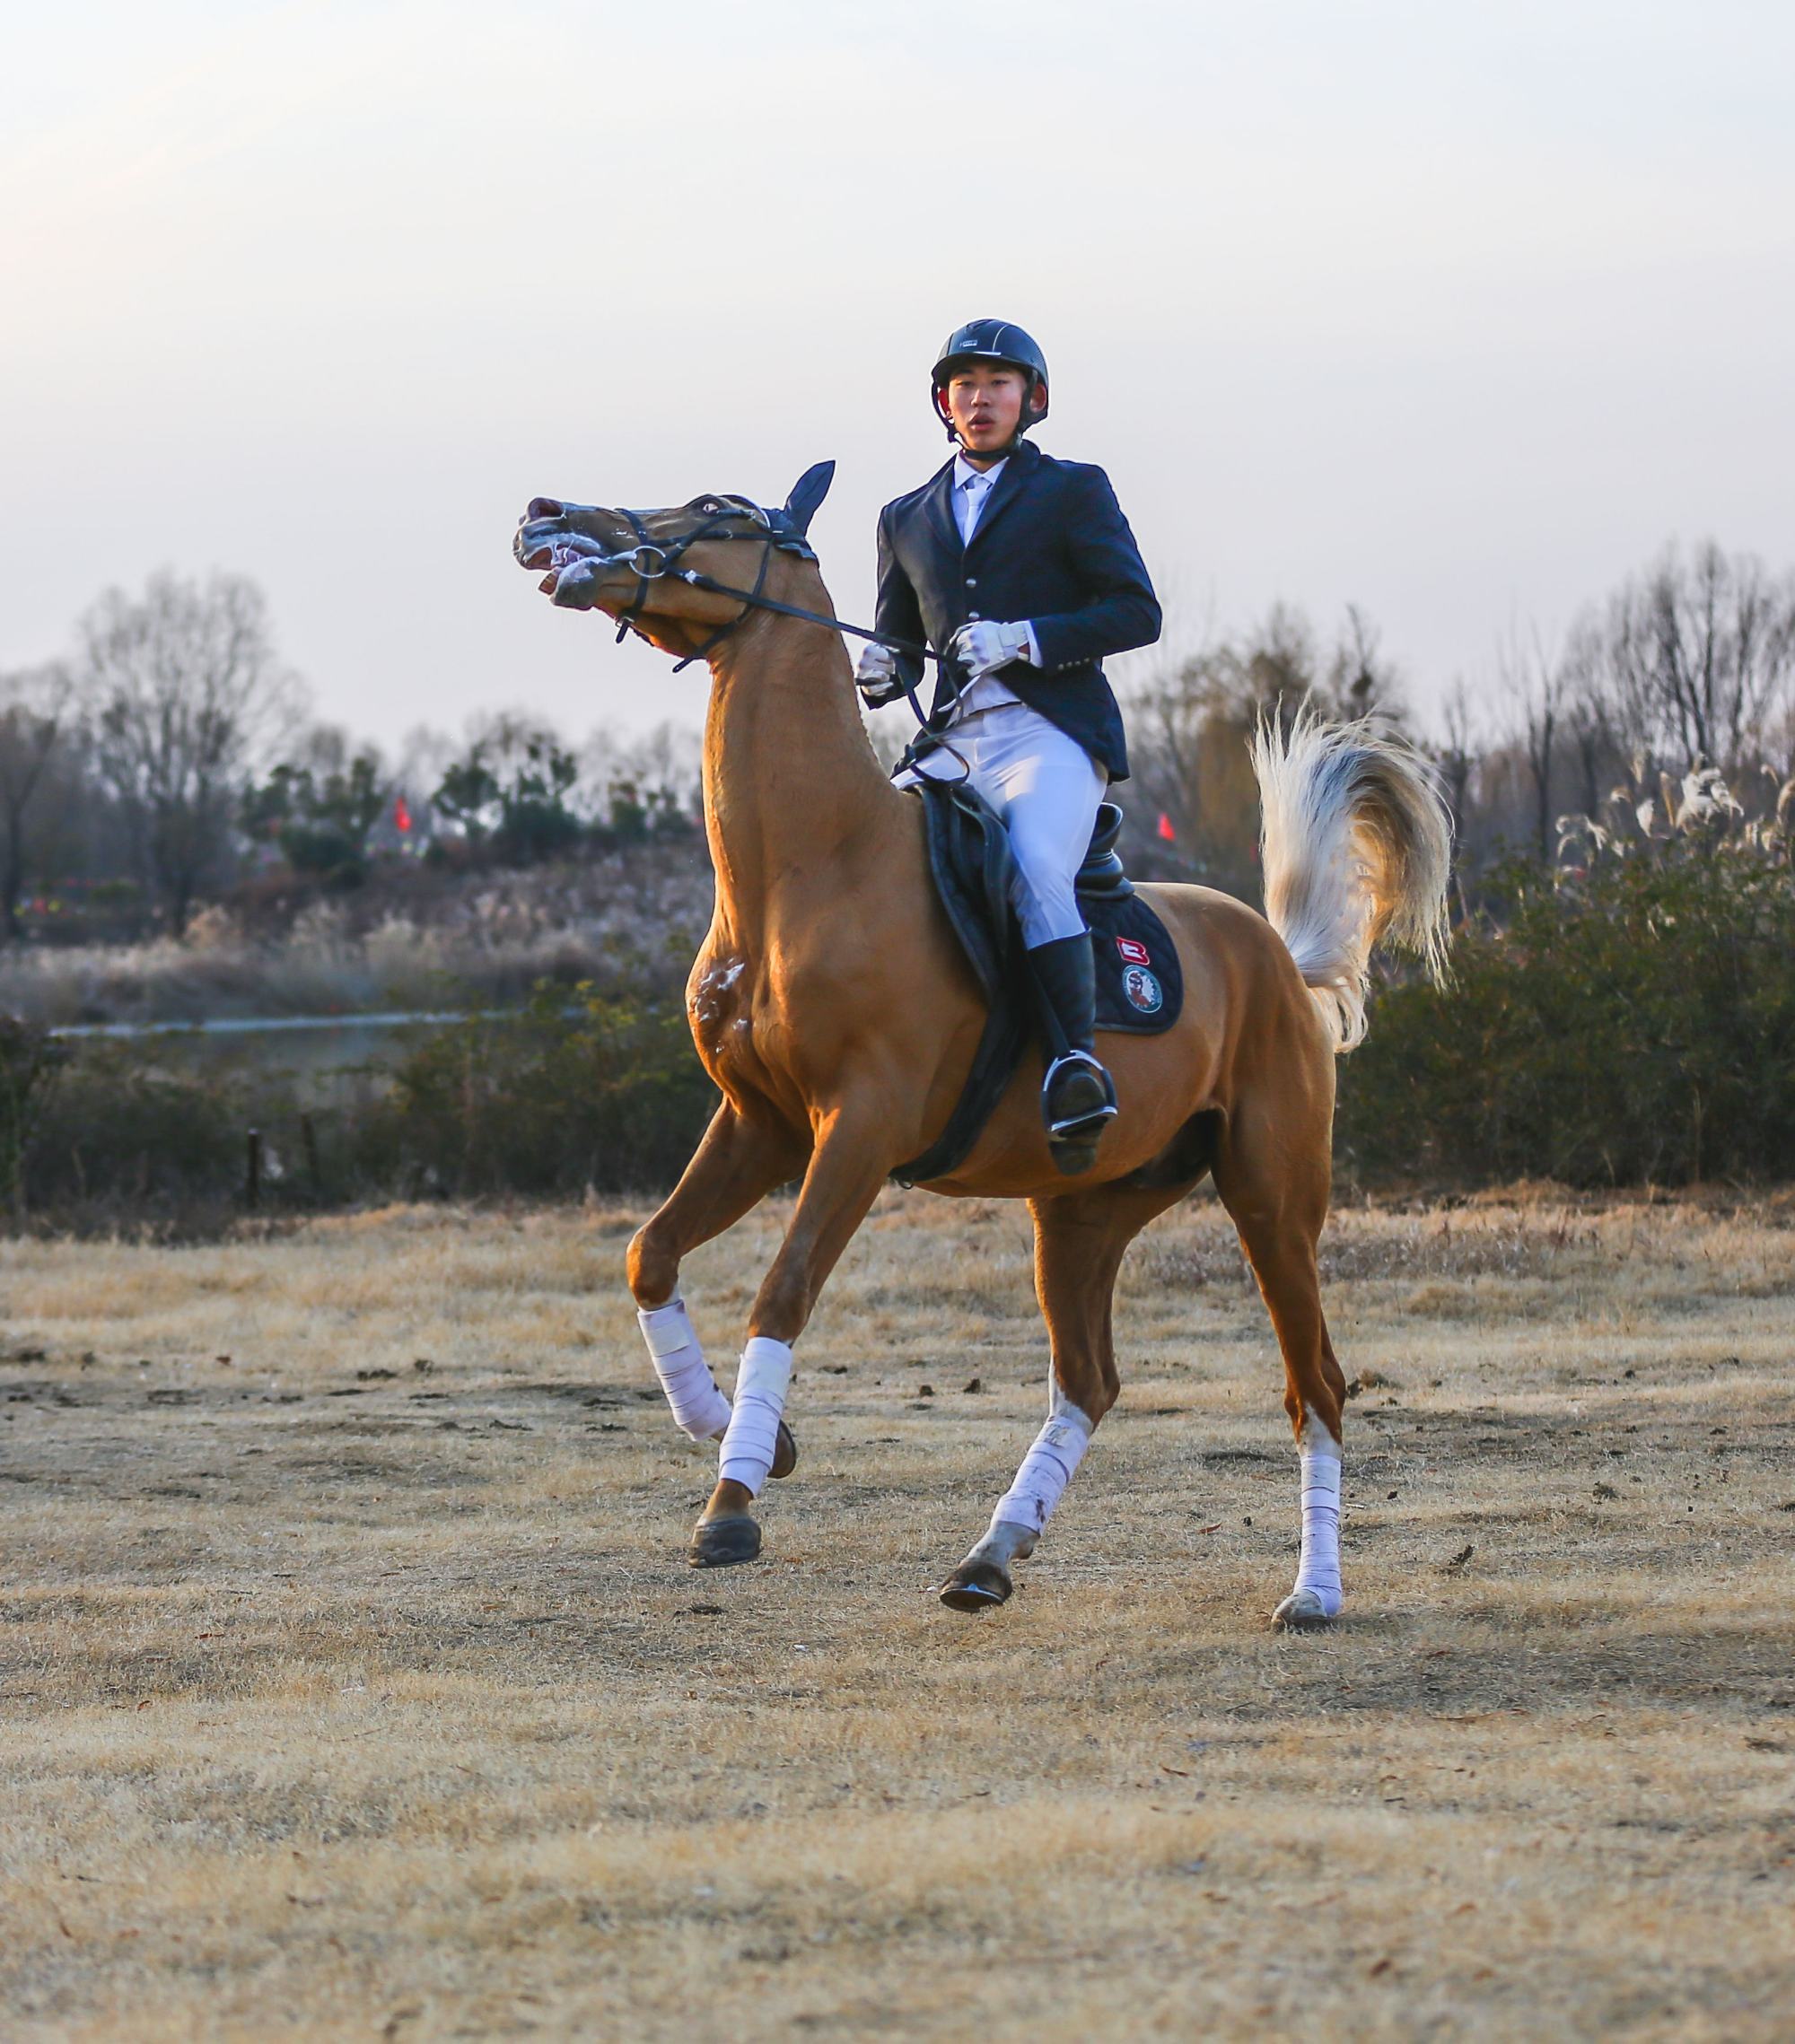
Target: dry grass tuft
{"type": "Point", "coordinates": [354, 1684]}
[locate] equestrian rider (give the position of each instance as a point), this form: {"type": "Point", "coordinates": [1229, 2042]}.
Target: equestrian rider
{"type": "Point", "coordinates": [1021, 570]}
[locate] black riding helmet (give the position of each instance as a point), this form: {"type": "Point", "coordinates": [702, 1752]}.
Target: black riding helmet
{"type": "Point", "coordinates": [992, 340]}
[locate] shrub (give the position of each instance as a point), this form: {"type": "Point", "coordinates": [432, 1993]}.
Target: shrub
{"type": "Point", "coordinates": [1631, 1023]}
{"type": "Point", "coordinates": [570, 1092]}
{"type": "Point", "coordinates": [325, 851]}
{"type": "Point", "coordinates": [122, 1134]}
{"type": "Point", "coordinates": [29, 1061]}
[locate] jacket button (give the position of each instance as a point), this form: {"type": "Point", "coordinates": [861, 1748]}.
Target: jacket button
{"type": "Point", "coordinates": [972, 581]}
{"type": "Point", "coordinates": [972, 617]}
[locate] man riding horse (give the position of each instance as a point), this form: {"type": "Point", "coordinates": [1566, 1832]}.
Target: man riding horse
{"type": "Point", "coordinates": [840, 1017]}
{"type": "Point", "coordinates": [1021, 572]}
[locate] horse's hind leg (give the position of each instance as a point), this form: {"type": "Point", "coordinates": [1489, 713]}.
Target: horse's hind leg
{"type": "Point", "coordinates": [735, 1166]}
{"type": "Point", "coordinates": [1271, 1171]}
{"type": "Point", "coordinates": [1079, 1243]}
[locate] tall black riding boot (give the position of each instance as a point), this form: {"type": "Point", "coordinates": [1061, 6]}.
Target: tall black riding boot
{"type": "Point", "coordinates": [1078, 1098]}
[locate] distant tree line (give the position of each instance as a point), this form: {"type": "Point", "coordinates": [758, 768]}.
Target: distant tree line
{"type": "Point", "coordinates": [170, 756]}
{"type": "Point", "coordinates": [1684, 672]}
{"type": "Point", "coordinates": [1621, 1008]}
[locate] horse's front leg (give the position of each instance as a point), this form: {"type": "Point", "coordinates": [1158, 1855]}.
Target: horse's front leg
{"type": "Point", "coordinates": [736, 1165]}
{"type": "Point", "coordinates": [847, 1167]}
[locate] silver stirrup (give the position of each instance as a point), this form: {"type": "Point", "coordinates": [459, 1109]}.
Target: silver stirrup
{"type": "Point", "coordinates": [1093, 1119]}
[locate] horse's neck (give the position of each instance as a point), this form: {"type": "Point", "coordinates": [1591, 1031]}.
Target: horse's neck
{"type": "Point", "coordinates": [793, 793]}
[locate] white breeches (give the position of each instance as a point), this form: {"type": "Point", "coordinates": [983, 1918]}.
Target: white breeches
{"type": "Point", "coordinates": [1046, 788]}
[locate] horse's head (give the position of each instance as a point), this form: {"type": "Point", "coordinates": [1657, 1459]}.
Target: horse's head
{"type": "Point", "coordinates": [672, 574]}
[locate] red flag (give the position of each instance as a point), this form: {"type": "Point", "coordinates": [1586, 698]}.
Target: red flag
{"type": "Point", "coordinates": [1166, 829]}
{"type": "Point", "coordinates": [401, 813]}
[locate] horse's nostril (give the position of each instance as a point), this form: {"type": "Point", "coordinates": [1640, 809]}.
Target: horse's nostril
{"type": "Point", "coordinates": [545, 507]}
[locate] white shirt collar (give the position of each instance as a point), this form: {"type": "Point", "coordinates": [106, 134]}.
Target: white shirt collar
{"type": "Point", "coordinates": [964, 472]}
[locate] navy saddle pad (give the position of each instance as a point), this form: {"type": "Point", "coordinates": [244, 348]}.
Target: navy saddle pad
{"type": "Point", "coordinates": [1140, 982]}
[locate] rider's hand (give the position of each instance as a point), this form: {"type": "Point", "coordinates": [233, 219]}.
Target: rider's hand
{"type": "Point", "coordinates": [983, 646]}
{"type": "Point", "coordinates": [877, 677]}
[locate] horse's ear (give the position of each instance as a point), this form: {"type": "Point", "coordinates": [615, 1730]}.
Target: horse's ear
{"type": "Point", "coordinates": [808, 493]}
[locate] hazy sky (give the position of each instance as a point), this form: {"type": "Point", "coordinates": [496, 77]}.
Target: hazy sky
{"type": "Point", "coordinates": [1457, 312]}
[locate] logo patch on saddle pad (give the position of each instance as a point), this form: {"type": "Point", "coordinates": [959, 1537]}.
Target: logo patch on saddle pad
{"type": "Point", "coordinates": [1141, 989]}
{"type": "Point", "coordinates": [1134, 954]}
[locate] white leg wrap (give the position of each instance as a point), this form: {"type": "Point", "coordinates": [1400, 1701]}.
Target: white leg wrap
{"type": "Point", "coordinates": [699, 1408]}
{"type": "Point", "coordinates": [760, 1387]}
{"type": "Point", "coordinates": [1047, 1467]}
{"type": "Point", "coordinates": [1319, 1572]}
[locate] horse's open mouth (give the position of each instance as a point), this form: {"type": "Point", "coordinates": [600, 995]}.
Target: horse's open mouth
{"type": "Point", "coordinates": [558, 558]}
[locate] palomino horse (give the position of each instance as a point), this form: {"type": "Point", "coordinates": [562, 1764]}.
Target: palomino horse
{"type": "Point", "coordinates": [838, 1018]}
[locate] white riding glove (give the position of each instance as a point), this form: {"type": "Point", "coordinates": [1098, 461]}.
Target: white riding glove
{"type": "Point", "coordinates": [877, 677]}
{"type": "Point", "coordinates": [983, 646]}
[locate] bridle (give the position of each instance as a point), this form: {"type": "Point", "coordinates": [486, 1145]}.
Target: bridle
{"type": "Point", "coordinates": [651, 562]}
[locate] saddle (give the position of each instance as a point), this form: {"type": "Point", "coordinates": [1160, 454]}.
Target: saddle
{"type": "Point", "coordinates": [1140, 982]}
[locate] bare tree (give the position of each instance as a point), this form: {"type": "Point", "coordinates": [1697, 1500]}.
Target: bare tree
{"type": "Point", "coordinates": [1597, 742]}
{"type": "Point", "coordinates": [1535, 686]}
{"type": "Point", "coordinates": [663, 765]}
{"type": "Point", "coordinates": [1698, 658]}
{"type": "Point", "coordinates": [1457, 756]}
{"type": "Point", "coordinates": [1192, 726]}
{"type": "Point", "coordinates": [33, 715]}
{"type": "Point", "coordinates": [185, 695]}
{"type": "Point", "coordinates": [1360, 679]}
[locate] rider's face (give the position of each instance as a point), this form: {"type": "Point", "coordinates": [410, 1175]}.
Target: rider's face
{"type": "Point", "coordinates": [984, 401]}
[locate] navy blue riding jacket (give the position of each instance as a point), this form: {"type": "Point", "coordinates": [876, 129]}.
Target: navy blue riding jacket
{"type": "Point", "coordinates": [1051, 548]}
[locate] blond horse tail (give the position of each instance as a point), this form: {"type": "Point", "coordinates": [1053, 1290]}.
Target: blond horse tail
{"type": "Point", "coordinates": [1356, 842]}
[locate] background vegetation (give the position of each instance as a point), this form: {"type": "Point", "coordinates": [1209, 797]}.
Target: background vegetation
{"type": "Point", "coordinates": [573, 1093]}
{"type": "Point", "coordinates": [180, 844]}
{"type": "Point", "coordinates": [1631, 1023]}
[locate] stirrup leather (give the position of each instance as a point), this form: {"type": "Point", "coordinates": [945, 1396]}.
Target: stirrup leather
{"type": "Point", "coordinates": [1090, 1120]}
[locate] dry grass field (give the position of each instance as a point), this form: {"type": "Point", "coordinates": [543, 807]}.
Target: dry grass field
{"type": "Point", "coordinates": [354, 1684]}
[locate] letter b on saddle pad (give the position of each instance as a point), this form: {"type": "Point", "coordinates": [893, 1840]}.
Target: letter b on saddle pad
{"type": "Point", "coordinates": [1140, 984]}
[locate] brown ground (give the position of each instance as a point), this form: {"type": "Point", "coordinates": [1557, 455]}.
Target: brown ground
{"type": "Point", "coordinates": [355, 1685]}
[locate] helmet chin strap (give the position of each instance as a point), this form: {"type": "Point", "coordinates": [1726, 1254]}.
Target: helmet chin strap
{"type": "Point", "coordinates": [987, 453]}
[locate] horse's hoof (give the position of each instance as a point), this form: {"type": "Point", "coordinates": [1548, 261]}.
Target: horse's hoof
{"type": "Point", "coordinates": [721, 1543]}
{"type": "Point", "coordinates": [785, 1452]}
{"type": "Point", "coordinates": [1301, 1611]}
{"type": "Point", "coordinates": [975, 1586]}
